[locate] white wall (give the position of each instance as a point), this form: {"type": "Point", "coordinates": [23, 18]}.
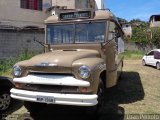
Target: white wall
{"type": "Point", "coordinates": [154, 23]}
{"type": "Point", "coordinates": [127, 28]}
{"type": "Point", "coordinates": [99, 4]}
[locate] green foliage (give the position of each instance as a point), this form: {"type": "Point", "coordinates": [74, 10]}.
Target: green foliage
{"type": "Point", "coordinates": [156, 36]}
{"type": "Point", "coordinates": [134, 55]}
{"type": "Point", "coordinates": [122, 20]}
{"type": "Point", "coordinates": [7, 64]}
{"type": "Point", "coordinates": [135, 20]}
{"type": "Point", "coordinates": [140, 34]}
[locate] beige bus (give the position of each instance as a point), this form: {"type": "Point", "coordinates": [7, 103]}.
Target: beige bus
{"type": "Point", "coordinates": [82, 58]}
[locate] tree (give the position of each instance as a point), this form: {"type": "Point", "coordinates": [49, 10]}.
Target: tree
{"type": "Point", "coordinates": [122, 20]}
{"type": "Point", "coordinates": [156, 36]}
{"type": "Point", "coordinates": [140, 33]}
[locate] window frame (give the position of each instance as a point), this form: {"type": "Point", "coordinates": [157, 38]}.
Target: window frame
{"type": "Point", "coordinates": [149, 54]}
{"type": "Point", "coordinates": [30, 4]}
{"type": "Point", "coordinates": [74, 23]}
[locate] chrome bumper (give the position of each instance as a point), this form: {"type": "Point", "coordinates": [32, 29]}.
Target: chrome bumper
{"type": "Point", "coordinates": [63, 99]}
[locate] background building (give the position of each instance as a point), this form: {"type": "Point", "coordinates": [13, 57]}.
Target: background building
{"type": "Point", "coordinates": [23, 13]}
{"type": "Point", "coordinates": [99, 4]}
{"type": "Point", "coordinates": [32, 13]}
{"type": "Point", "coordinates": [154, 21]}
{"type": "Point", "coordinates": [127, 28]}
{"type": "Point", "coordinates": [74, 4]}
{"type": "Point", "coordinates": [21, 21]}
{"type": "Point", "coordinates": [77, 4]}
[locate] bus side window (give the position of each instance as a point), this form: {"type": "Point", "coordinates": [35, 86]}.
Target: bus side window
{"type": "Point", "coordinates": [119, 41]}
{"type": "Point", "coordinates": [117, 31]}
{"type": "Point", "coordinates": [111, 32]}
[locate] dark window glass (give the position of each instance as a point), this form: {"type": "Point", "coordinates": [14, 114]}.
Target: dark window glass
{"type": "Point", "coordinates": [157, 18]}
{"type": "Point", "coordinates": [31, 4]}
{"type": "Point", "coordinates": [157, 55]}
{"type": "Point", "coordinates": [151, 53]}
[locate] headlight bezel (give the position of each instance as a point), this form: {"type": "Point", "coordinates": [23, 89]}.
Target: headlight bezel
{"type": "Point", "coordinates": [17, 71]}
{"type": "Point", "coordinates": [84, 71]}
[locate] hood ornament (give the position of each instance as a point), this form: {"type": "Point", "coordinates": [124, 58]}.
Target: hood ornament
{"type": "Point", "coordinates": [44, 64]}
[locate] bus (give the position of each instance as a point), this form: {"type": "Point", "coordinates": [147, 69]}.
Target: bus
{"type": "Point", "coordinates": [82, 58]}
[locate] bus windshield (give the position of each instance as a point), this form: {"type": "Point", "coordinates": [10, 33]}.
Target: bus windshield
{"type": "Point", "coordinates": [91, 32]}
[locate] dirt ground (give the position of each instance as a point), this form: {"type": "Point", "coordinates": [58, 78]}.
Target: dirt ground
{"type": "Point", "coordinates": [137, 92]}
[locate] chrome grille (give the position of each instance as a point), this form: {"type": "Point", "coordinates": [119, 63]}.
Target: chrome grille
{"type": "Point", "coordinates": [51, 88]}
{"type": "Point", "coordinates": [49, 70]}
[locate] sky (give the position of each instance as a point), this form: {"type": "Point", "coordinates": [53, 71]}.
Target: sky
{"type": "Point", "coordinates": [133, 9]}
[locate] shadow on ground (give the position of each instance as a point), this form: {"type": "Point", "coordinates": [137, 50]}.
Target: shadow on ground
{"type": "Point", "coordinates": [128, 90]}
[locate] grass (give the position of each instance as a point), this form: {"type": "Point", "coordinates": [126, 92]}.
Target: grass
{"type": "Point", "coordinates": [134, 55]}
{"type": "Point", "coordinates": [7, 64]}
{"type": "Point", "coordinates": [148, 81]}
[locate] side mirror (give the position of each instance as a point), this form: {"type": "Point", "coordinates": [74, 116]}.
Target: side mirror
{"type": "Point", "coordinates": [117, 35]}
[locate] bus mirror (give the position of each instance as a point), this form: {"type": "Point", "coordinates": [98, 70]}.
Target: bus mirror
{"type": "Point", "coordinates": [117, 35]}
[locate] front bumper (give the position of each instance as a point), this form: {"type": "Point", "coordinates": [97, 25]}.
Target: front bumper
{"type": "Point", "coordinates": [62, 99]}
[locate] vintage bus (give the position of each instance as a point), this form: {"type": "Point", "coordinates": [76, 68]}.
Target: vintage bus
{"type": "Point", "coordinates": [82, 58]}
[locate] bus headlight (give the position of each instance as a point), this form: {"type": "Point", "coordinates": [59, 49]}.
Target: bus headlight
{"type": "Point", "coordinates": [17, 71]}
{"type": "Point", "coordinates": [84, 72]}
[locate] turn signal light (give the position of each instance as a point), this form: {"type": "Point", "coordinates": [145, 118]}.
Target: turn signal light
{"type": "Point", "coordinates": [83, 89]}
{"type": "Point", "coordinates": [19, 85]}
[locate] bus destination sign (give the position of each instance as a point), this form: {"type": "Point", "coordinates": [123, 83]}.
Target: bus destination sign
{"type": "Point", "coordinates": [75, 15]}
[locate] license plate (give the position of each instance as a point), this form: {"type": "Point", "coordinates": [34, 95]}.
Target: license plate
{"type": "Point", "coordinates": [45, 99]}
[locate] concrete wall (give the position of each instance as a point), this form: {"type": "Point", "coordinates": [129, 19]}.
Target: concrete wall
{"type": "Point", "coordinates": [74, 4]}
{"type": "Point", "coordinates": [13, 43]}
{"type": "Point", "coordinates": [155, 24]}
{"type": "Point", "coordinates": [69, 3]}
{"type": "Point", "coordinates": [138, 46]}
{"type": "Point", "coordinates": [82, 5]}
{"type": "Point", "coordinates": [12, 14]}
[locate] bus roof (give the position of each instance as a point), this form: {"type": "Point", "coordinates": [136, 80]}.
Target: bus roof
{"type": "Point", "coordinates": [99, 15]}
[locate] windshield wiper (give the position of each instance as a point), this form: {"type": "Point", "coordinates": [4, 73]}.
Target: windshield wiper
{"type": "Point", "coordinates": [41, 43]}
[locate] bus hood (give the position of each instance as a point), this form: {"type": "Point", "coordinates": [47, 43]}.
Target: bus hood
{"type": "Point", "coordinates": [64, 58]}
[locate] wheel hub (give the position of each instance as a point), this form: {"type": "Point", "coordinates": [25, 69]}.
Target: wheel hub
{"type": "Point", "coordinates": [158, 66]}
{"type": "Point", "coordinates": [4, 101]}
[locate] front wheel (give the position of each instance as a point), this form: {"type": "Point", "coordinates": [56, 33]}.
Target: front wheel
{"type": "Point", "coordinates": [5, 100]}
{"type": "Point", "coordinates": [143, 62]}
{"type": "Point", "coordinates": [101, 99]}
{"type": "Point", "coordinates": [101, 93]}
{"type": "Point", "coordinates": [158, 66]}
